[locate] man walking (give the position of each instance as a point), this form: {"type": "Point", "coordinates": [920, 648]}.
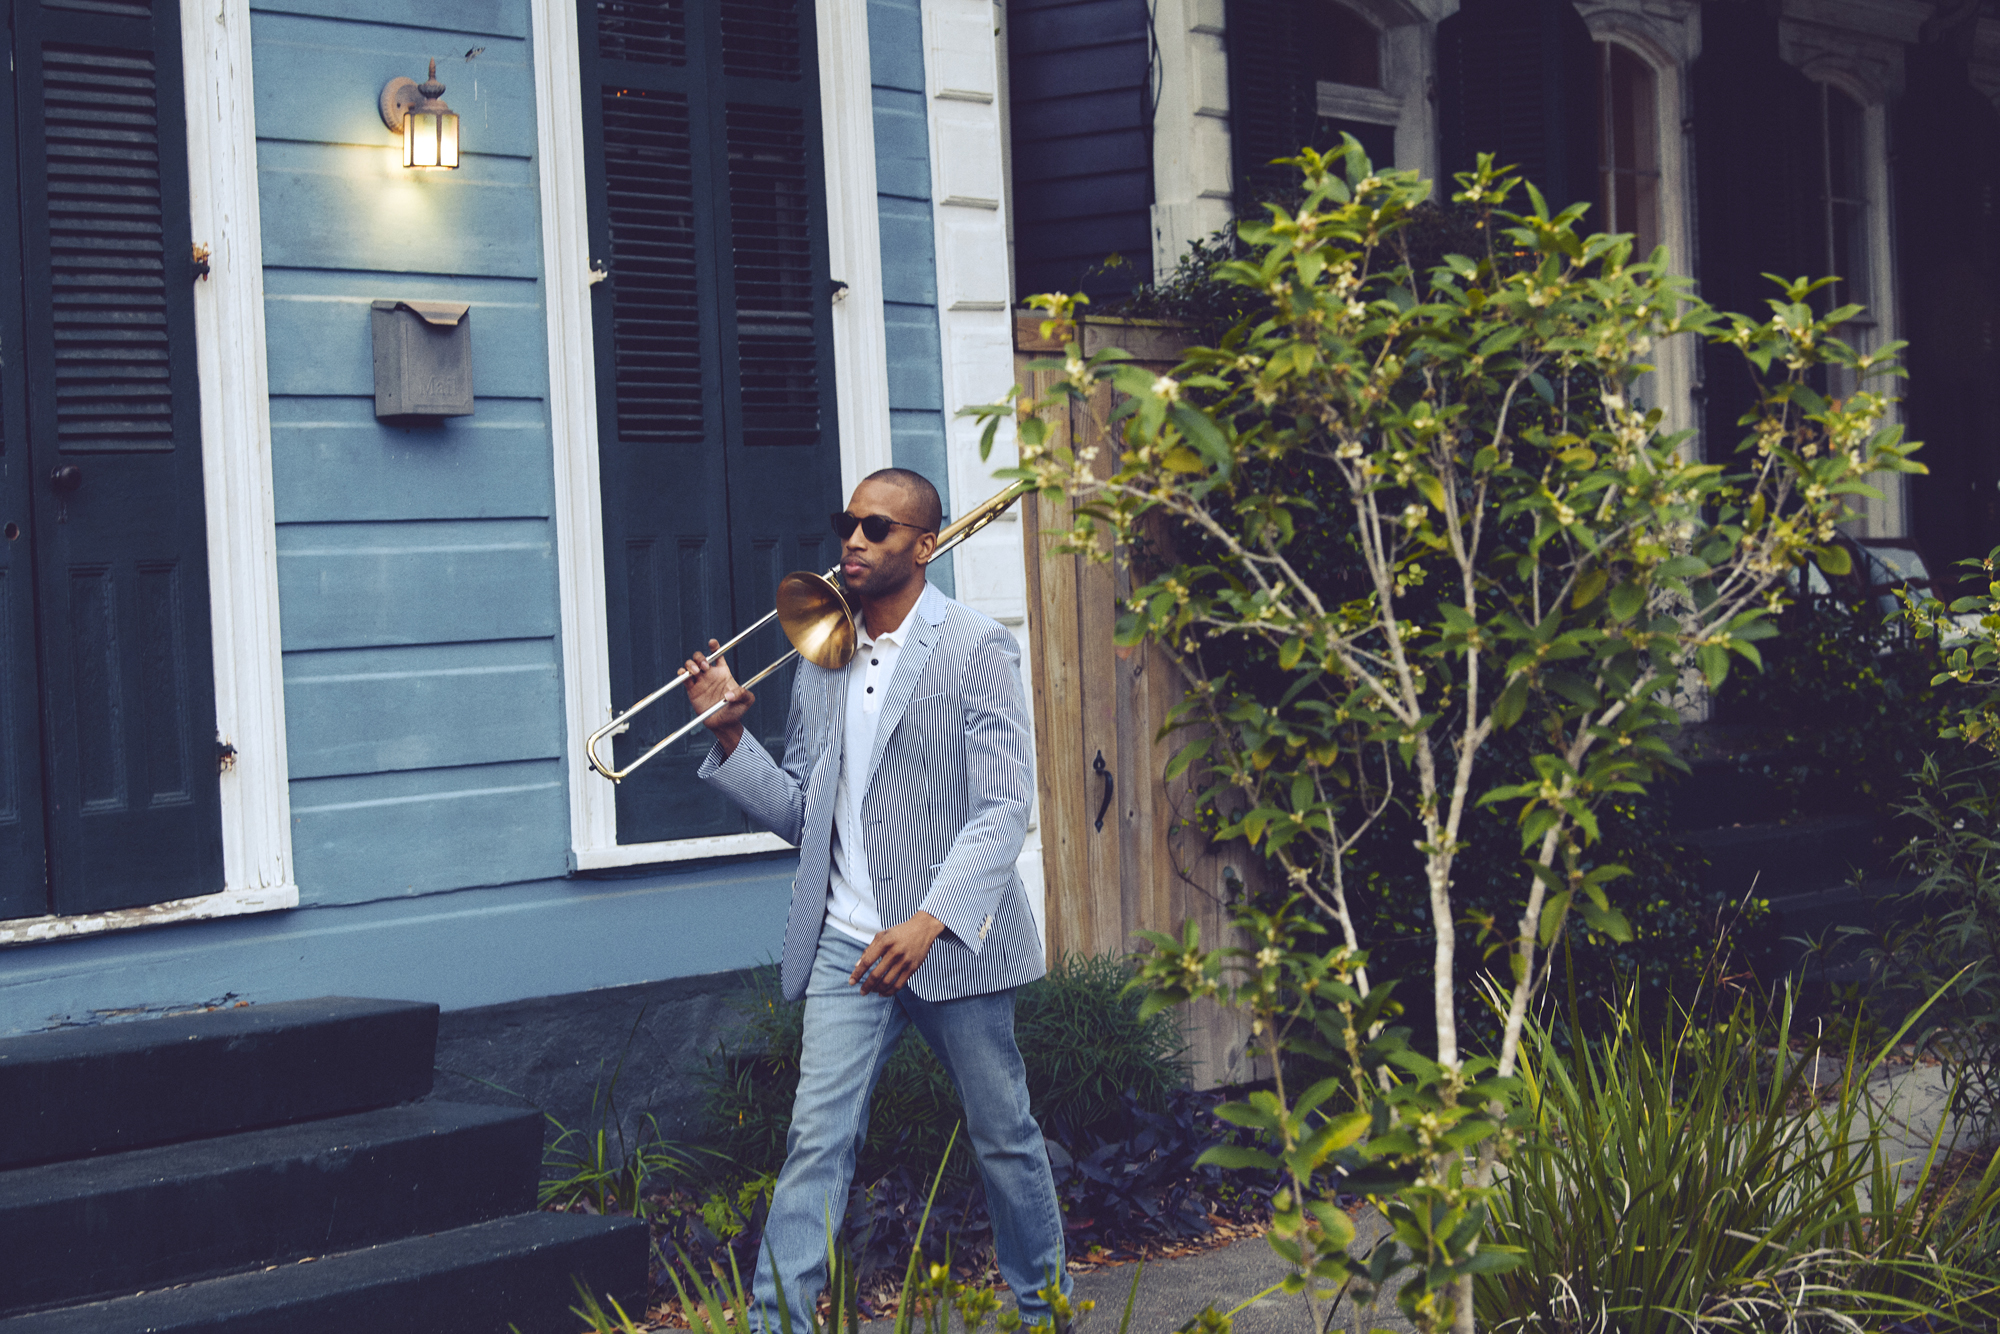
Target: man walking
{"type": "Point", "coordinates": [905, 783]}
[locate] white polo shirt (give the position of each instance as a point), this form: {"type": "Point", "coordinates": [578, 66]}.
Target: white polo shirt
{"type": "Point", "coordinates": [851, 907]}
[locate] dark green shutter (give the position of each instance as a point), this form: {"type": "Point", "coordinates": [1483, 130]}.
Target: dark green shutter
{"type": "Point", "coordinates": [1757, 168]}
{"type": "Point", "coordinates": [1273, 103]}
{"type": "Point", "coordinates": [24, 890]}
{"type": "Point", "coordinates": [131, 772]}
{"type": "Point", "coordinates": [718, 455]}
{"type": "Point", "coordinates": [1278, 52]}
{"type": "Point", "coordinates": [1518, 79]}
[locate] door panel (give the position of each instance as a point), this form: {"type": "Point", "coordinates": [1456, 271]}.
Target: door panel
{"type": "Point", "coordinates": [24, 886]}
{"type": "Point", "coordinates": [115, 456]}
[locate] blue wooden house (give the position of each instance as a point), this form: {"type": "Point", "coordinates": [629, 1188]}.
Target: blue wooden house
{"type": "Point", "coordinates": [293, 694]}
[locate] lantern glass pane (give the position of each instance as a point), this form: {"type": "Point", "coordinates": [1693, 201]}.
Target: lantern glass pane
{"type": "Point", "coordinates": [409, 140]}
{"type": "Point", "coordinates": [448, 139]}
{"type": "Point", "coordinates": [424, 138]}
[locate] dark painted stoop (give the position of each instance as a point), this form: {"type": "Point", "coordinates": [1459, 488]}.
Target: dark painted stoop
{"type": "Point", "coordinates": [271, 1168]}
{"type": "Point", "coordinates": [1818, 874]}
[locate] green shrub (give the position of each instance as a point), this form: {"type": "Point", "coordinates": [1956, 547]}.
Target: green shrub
{"type": "Point", "coordinates": [1081, 1039]}
{"type": "Point", "coordinates": [1841, 713]}
{"type": "Point", "coordinates": [1694, 1180]}
{"type": "Point", "coordinates": [1950, 946]}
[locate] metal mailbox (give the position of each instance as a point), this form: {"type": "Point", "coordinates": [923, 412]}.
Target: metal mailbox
{"type": "Point", "coordinates": [423, 361]}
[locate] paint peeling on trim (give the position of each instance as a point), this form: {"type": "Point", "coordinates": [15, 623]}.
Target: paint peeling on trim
{"type": "Point", "coordinates": [228, 903]}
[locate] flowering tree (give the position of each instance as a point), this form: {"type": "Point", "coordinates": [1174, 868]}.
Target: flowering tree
{"type": "Point", "coordinates": [1392, 514]}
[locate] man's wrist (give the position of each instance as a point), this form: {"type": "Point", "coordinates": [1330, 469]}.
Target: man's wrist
{"type": "Point", "coordinates": [930, 924]}
{"type": "Point", "coordinates": [729, 737]}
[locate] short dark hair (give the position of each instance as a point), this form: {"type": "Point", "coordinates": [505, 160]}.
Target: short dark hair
{"type": "Point", "coordinates": [930, 509]}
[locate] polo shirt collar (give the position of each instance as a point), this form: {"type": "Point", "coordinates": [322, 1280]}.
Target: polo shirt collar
{"type": "Point", "coordinates": [894, 638]}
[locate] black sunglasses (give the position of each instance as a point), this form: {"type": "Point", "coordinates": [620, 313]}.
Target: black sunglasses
{"type": "Point", "coordinates": [875, 527]}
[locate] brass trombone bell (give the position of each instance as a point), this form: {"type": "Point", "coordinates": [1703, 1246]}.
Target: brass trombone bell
{"type": "Point", "coordinates": [816, 616]}
{"type": "Point", "coordinates": [814, 613]}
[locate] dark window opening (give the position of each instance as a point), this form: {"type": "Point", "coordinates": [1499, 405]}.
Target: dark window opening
{"type": "Point", "coordinates": [1343, 47]}
{"type": "Point", "coordinates": [1628, 153]}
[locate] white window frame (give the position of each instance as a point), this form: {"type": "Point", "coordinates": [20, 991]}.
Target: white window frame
{"type": "Point", "coordinates": [257, 869]}
{"type": "Point", "coordinates": [1885, 517]}
{"type": "Point", "coordinates": [861, 374]}
{"type": "Point", "coordinates": [1663, 45]}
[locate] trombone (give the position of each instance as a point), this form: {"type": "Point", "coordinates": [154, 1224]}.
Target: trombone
{"type": "Point", "coordinates": [814, 611]}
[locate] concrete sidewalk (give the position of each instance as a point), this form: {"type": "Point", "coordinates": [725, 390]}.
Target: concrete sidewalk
{"type": "Point", "coordinates": [1172, 1292]}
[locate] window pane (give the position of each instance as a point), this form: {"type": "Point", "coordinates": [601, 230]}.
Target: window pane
{"type": "Point", "coordinates": [1845, 142]}
{"type": "Point", "coordinates": [1628, 146]}
{"type": "Point", "coordinates": [1844, 197]}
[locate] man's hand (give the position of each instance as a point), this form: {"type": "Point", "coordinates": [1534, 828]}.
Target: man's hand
{"type": "Point", "coordinates": [894, 954]}
{"type": "Point", "coordinates": [709, 680]}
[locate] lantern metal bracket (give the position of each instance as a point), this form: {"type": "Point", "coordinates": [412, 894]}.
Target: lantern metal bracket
{"type": "Point", "coordinates": [399, 96]}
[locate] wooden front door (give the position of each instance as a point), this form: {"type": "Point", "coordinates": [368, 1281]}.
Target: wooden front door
{"type": "Point", "coordinates": [718, 456]}
{"type": "Point", "coordinates": [109, 795]}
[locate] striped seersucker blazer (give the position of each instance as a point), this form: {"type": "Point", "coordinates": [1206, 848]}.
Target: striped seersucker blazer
{"type": "Point", "coordinates": [945, 811]}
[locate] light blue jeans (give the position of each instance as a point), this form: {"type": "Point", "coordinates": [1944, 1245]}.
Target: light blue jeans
{"type": "Point", "coordinates": [848, 1038]}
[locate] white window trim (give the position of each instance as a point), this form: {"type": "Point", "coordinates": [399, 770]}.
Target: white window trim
{"type": "Point", "coordinates": [1884, 517]}
{"type": "Point", "coordinates": [236, 480]}
{"type": "Point", "coordinates": [1371, 106]}
{"type": "Point", "coordinates": [861, 375]}
{"type": "Point", "coordinates": [1675, 361]}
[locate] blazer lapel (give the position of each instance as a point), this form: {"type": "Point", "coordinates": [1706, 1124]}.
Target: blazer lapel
{"type": "Point", "coordinates": [925, 630]}
{"type": "Point", "coordinates": [834, 720]}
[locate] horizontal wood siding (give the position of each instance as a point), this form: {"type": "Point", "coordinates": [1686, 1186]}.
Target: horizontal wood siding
{"type": "Point", "coordinates": [1082, 146]}
{"type": "Point", "coordinates": [416, 566]}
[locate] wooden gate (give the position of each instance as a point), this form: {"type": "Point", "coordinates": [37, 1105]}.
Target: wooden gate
{"type": "Point", "coordinates": [1118, 852]}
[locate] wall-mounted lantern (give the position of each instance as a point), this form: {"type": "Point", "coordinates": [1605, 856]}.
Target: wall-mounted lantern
{"type": "Point", "coordinates": [429, 127]}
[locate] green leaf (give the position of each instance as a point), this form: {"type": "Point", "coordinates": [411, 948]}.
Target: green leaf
{"type": "Point", "coordinates": [1553, 912]}
{"type": "Point", "coordinates": [1492, 1260]}
{"type": "Point", "coordinates": [1513, 701]}
{"type": "Point", "coordinates": [1607, 921]}
{"type": "Point", "coordinates": [1588, 587]}
{"type": "Point", "coordinates": [1348, 1129]}
{"type": "Point", "coordinates": [1833, 559]}
{"type": "Point", "coordinates": [1203, 434]}
{"type": "Point", "coordinates": [1627, 600]}
{"type": "Point", "coordinates": [1289, 655]}
{"type": "Point", "coordinates": [1230, 1155]}
{"type": "Point", "coordinates": [1714, 660]}
{"type": "Point", "coordinates": [1243, 1114]}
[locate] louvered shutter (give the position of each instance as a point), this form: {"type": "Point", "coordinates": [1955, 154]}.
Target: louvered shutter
{"type": "Point", "coordinates": [1273, 48]}
{"type": "Point", "coordinates": [1517, 78]}
{"type": "Point", "coordinates": [717, 448]}
{"type": "Point", "coordinates": [1273, 100]}
{"type": "Point", "coordinates": [1757, 159]}
{"type": "Point", "coordinates": [24, 890]}
{"type": "Point", "coordinates": [134, 804]}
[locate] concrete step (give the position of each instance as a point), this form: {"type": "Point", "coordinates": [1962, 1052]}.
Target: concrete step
{"type": "Point", "coordinates": [73, 1092]}
{"type": "Point", "coordinates": [490, 1278]}
{"type": "Point", "coordinates": [1785, 859]}
{"type": "Point", "coordinates": [151, 1217]}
